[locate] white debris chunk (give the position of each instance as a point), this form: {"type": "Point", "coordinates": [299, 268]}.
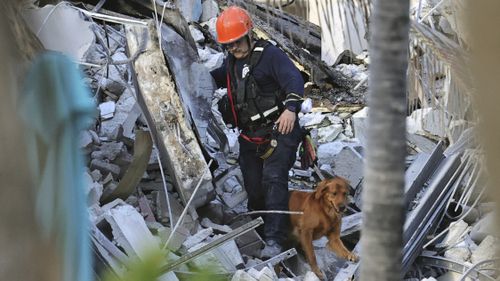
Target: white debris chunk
{"type": "Point", "coordinates": [130, 231]}
{"type": "Point", "coordinates": [190, 9]}
{"type": "Point", "coordinates": [455, 234]}
{"type": "Point", "coordinates": [483, 227]}
{"type": "Point", "coordinates": [241, 275]}
{"type": "Point", "coordinates": [197, 238]}
{"type": "Point", "coordinates": [211, 27]}
{"type": "Point", "coordinates": [197, 35]}
{"type": "Point", "coordinates": [210, 10]}
{"type": "Point", "coordinates": [459, 252]}
{"type": "Point", "coordinates": [360, 123]}
{"type": "Point", "coordinates": [107, 109]}
{"type": "Point", "coordinates": [123, 107]}
{"type": "Point", "coordinates": [356, 72]}
{"type": "Point", "coordinates": [206, 222]}
{"type": "Point", "coordinates": [311, 119]}
{"type": "Point", "coordinates": [310, 276]}
{"type": "Point", "coordinates": [61, 29]}
{"type": "Point", "coordinates": [327, 151]}
{"type": "Point", "coordinates": [229, 254]}
{"type": "Point", "coordinates": [85, 139]}
{"type": "Point", "coordinates": [210, 58]}
{"type": "Point", "coordinates": [329, 133]}
{"type": "Point", "coordinates": [210, 260]}
{"type": "Point", "coordinates": [485, 251]}
{"type": "Point", "coordinates": [428, 121]}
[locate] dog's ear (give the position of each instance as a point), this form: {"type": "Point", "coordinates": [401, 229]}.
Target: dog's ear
{"type": "Point", "coordinates": [320, 189]}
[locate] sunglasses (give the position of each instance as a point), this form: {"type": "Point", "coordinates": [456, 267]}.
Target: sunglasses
{"type": "Point", "coordinates": [232, 44]}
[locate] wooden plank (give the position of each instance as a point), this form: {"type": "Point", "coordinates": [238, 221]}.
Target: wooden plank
{"type": "Point", "coordinates": [127, 185]}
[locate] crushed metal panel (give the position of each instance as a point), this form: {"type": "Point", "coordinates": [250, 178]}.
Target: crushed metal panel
{"type": "Point", "coordinates": [420, 170]}
{"type": "Point", "coordinates": [167, 119]}
{"type": "Point", "coordinates": [425, 216]}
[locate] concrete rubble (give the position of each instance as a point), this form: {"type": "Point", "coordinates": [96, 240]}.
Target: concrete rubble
{"type": "Point", "coordinates": [177, 107]}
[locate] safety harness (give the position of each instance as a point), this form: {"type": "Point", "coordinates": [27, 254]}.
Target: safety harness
{"type": "Point", "coordinates": [252, 109]}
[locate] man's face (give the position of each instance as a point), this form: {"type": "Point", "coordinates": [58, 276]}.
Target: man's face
{"type": "Point", "coordinates": [239, 48]}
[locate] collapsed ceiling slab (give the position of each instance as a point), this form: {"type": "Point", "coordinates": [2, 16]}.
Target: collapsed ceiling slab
{"type": "Point", "coordinates": [165, 113]}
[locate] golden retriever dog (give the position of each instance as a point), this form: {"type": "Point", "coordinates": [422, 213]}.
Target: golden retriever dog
{"type": "Point", "coordinates": [322, 216]}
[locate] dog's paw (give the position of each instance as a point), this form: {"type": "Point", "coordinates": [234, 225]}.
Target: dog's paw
{"type": "Point", "coordinates": [352, 257]}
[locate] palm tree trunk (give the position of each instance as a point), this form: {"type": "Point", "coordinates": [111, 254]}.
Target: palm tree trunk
{"type": "Point", "coordinates": [381, 239]}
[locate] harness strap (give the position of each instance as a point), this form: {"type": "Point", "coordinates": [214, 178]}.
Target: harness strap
{"type": "Point", "coordinates": [231, 100]}
{"type": "Point", "coordinates": [255, 140]}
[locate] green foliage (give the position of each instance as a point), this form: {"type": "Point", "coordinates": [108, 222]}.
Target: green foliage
{"type": "Point", "coordinates": [140, 270]}
{"type": "Point", "coordinates": [149, 269]}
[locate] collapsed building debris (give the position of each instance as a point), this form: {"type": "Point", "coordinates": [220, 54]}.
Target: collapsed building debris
{"type": "Point", "coordinates": [148, 148]}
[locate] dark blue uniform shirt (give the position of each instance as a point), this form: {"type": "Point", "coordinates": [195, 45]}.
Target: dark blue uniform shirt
{"type": "Point", "coordinates": [275, 71]}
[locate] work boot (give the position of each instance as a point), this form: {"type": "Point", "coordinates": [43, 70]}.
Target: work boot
{"type": "Point", "coordinates": [271, 249]}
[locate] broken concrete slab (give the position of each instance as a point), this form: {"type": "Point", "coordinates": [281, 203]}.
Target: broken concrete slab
{"type": "Point", "coordinates": [105, 167]}
{"type": "Point", "coordinates": [109, 151]}
{"type": "Point", "coordinates": [62, 29]}
{"type": "Point", "coordinates": [348, 32]}
{"type": "Point", "coordinates": [175, 243]}
{"type": "Point", "coordinates": [207, 223]}
{"type": "Point", "coordinates": [241, 275]}
{"type": "Point", "coordinates": [176, 209]}
{"type": "Point", "coordinates": [110, 128]}
{"type": "Point", "coordinates": [85, 140]}
{"type": "Point", "coordinates": [96, 175]}
{"type": "Point", "coordinates": [107, 109]}
{"type": "Point", "coordinates": [197, 238]}
{"type": "Point", "coordinates": [459, 252]}
{"type": "Point", "coordinates": [194, 83]}
{"type": "Point", "coordinates": [213, 244]}
{"type": "Point", "coordinates": [329, 133]}
{"type": "Point", "coordinates": [154, 185]}
{"type": "Point", "coordinates": [210, 10]}
{"type": "Point", "coordinates": [190, 9]}
{"type": "Point", "coordinates": [485, 251]}
{"type": "Point", "coordinates": [348, 165]}
{"type": "Point", "coordinates": [455, 234]}
{"type": "Point", "coordinates": [483, 228]}
{"type": "Point", "coordinates": [229, 255]}
{"type": "Point", "coordinates": [312, 119]}
{"type": "Point", "coordinates": [145, 208]}
{"type": "Point", "coordinates": [197, 35]}
{"type": "Point", "coordinates": [214, 210]}
{"type": "Point", "coordinates": [420, 143]}
{"type": "Point", "coordinates": [166, 117]}
{"type": "Point", "coordinates": [210, 60]}
{"type": "Point", "coordinates": [130, 231]}
{"type": "Point", "coordinates": [360, 122]}
{"type": "Point", "coordinates": [233, 199]}
{"type": "Point", "coordinates": [265, 274]}
{"type": "Point", "coordinates": [428, 122]}
{"type": "Point", "coordinates": [113, 86]}
{"type": "Point", "coordinates": [231, 184]}
{"type": "Point", "coordinates": [326, 152]}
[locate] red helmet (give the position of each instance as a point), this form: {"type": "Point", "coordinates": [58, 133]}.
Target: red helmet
{"type": "Point", "coordinates": [232, 24]}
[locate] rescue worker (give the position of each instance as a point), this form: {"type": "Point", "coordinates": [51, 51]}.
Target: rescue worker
{"type": "Point", "coordinates": [265, 93]}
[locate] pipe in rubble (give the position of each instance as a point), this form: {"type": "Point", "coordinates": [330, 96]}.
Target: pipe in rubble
{"type": "Point", "coordinates": [460, 211]}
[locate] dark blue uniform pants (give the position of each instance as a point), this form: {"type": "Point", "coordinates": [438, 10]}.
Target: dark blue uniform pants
{"type": "Point", "coordinates": [266, 181]}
